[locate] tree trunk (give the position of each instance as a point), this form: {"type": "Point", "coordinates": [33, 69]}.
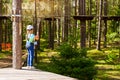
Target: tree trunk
{"type": "Point", "coordinates": [89, 24]}
{"type": "Point", "coordinates": [0, 7]}
{"type": "Point", "coordinates": [75, 24]}
{"type": "Point", "coordinates": [1, 35]}
{"type": "Point", "coordinates": [39, 31]}
{"type": "Point", "coordinates": [96, 20]}
{"type": "Point", "coordinates": [0, 25]}
{"type": "Point", "coordinates": [35, 28]}
{"type": "Point", "coordinates": [66, 23]}
{"type": "Point", "coordinates": [82, 23]}
{"type": "Point", "coordinates": [51, 34]}
{"type": "Point", "coordinates": [52, 28]}
{"type": "Point", "coordinates": [35, 19]}
{"type": "Point", "coordinates": [105, 24]}
{"type": "Point", "coordinates": [58, 31]}
{"type": "Point", "coordinates": [5, 32]}
{"type": "Point", "coordinates": [99, 26]}
{"type": "Point", "coordinates": [17, 38]}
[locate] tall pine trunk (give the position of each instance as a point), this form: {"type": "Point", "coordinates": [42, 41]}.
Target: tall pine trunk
{"type": "Point", "coordinates": [99, 26]}
{"type": "Point", "coordinates": [89, 24]}
{"type": "Point", "coordinates": [0, 25]}
{"type": "Point", "coordinates": [58, 31]}
{"type": "Point", "coordinates": [65, 28]}
{"type": "Point", "coordinates": [0, 7]}
{"type": "Point", "coordinates": [35, 28]}
{"type": "Point", "coordinates": [66, 21]}
{"type": "Point", "coordinates": [17, 38]}
{"type": "Point", "coordinates": [75, 24]}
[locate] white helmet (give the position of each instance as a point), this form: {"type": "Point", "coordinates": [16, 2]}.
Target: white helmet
{"type": "Point", "coordinates": [29, 27]}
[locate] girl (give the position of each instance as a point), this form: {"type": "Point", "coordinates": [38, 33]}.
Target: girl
{"type": "Point", "coordinates": [30, 39]}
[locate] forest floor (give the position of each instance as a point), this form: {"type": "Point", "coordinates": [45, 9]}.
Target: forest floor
{"type": "Point", "coordinates": [108, 71]}
{"type": "Point", "coordinates": [105, 71]}
{"type": "Point", "coordinates": [6, 62]}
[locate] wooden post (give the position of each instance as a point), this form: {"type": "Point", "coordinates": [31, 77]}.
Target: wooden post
{"type": "Point", "coordinates": [17, 38]}
{"type": "Point", "coordinates": [105, 23]}
{"type": "Point", "coordinates": [82, 24]}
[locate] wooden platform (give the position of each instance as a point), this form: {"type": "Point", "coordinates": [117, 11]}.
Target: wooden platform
{"type": "Point", "coordinates": [83, 17]}
{"type": "Point", "coordinates": [117, 18]}
{"type": "Point", "coordinates": [4, 17]}
{"type": "Point", "coordinates": [33, 74]}
{"type": "Point", "coordinates": [87, 17]}
{"type": "Point", "coordinates": [50, 18]}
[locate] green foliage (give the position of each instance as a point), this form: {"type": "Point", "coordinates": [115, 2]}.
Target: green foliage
{"type": "Point", "coordinates": [5, 1]}
{"type": "Point", "coordinates": [4, 54]}
{"type": "Point", "coordinates": [74, 63]}
{"type": "Point", "coordinates": [71, 53]}
{"type": "Point", "coordinates": [93, 29]}
{"type": "Point", "coordinates": [111, 58]}
{"type": "Point", "coordinates": [113, 37]}
{"type": "Point", "coordinates": [114, 26]}
{"type": "Point", "coordinates": [73, 39]}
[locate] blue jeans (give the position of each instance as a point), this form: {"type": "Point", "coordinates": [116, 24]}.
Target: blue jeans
{"type": "Point", "coordinates": [30, 55]}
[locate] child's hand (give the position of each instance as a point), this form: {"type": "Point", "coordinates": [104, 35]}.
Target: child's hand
{"type": "Point", "coordinates": [36, 37]}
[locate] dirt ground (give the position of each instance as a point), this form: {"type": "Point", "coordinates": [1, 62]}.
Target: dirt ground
{"type": "Point", "coordinates": [6, 62]}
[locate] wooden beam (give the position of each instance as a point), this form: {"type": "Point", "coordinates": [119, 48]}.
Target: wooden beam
{"type": "Point", "coordinates": [83, 17]}
{"type": "Point", "coordinates": [50, 19]}
{"type": "Point", "coordinates": [117, 18]}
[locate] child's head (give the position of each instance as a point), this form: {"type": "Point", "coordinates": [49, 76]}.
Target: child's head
{"type": "Point", "coordinates": [29, 29]}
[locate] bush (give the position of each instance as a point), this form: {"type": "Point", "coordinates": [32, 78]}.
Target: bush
{"type": "Point", "coordinates": [74, 63]}
{"type": "Point", "coordinates": [67, 52]}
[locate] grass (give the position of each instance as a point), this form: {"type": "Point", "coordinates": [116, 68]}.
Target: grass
{"type": "Point", "coordinates": [5, 54]}
{"type": "Point", "coordinates": [105, 71]}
